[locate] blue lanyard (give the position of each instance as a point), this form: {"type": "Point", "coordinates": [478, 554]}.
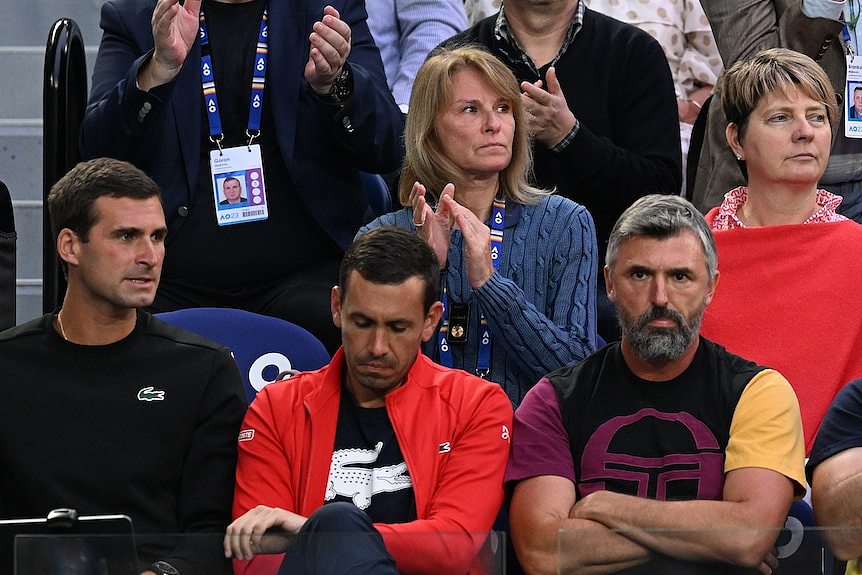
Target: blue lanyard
{"type": "Point", "coordinates": [483, 362]}
{"type": "Point", "coordinates": [258, 82]}
{"type": "Point", "coordinates": [845, 35]}
{"type": "Point", "coordinates": [851, 18]}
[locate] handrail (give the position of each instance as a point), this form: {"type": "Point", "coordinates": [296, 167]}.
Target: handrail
{"type": "Point", "coordinates": [64, 101]}
{"type": "Point", "coordinates": [8, 240]}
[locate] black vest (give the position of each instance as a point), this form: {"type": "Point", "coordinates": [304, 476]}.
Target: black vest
{"type": "Point", "coordinates": [659, 440]}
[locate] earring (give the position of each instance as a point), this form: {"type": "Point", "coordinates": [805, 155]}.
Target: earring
{"type": "Point", "coordinates": [739, 157]}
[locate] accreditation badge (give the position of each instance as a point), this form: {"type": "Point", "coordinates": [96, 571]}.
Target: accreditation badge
{"type": "Point", "coordinates": [853, 99]}
{"type": "Point", "coordinates": [239, 192]}
{"type": "Point", "coordinates": [853, 85]}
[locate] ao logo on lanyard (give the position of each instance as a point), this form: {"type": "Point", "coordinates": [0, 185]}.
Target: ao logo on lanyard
{"type": "Point", "coordinates": [456, 319]}
{"type": "Point", "coordinates": [239, 192]}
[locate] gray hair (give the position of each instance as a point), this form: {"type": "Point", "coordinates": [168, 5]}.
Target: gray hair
{"type": "Point", "coordinates": [660, 216]}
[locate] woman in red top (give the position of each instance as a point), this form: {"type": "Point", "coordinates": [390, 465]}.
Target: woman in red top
{"type": "Point", "coordinates": [790, 265]}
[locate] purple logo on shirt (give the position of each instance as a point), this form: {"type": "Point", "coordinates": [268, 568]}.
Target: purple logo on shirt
{"type": "Point", "coordinates": [654, 476]}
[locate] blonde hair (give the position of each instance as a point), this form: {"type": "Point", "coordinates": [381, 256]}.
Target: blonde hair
{"type": "Point", "coordinates": [425, 161]}
{"type": "Point", "coordinates": [748, 81]}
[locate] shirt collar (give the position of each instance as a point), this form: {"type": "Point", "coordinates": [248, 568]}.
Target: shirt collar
{"type": "Point", "coordinates": [727, 219]}
{"type": "Point", "coordinates": [503, 34]}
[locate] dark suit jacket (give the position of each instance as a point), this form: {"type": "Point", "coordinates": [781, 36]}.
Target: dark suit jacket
{"type": "Point", "coordinates": [324, 146]}
{"type": "Point", "coordinates": [742, 29]}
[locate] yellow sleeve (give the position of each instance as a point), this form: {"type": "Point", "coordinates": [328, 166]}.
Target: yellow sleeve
{"type": "Point", "coordinates": [766, 430]}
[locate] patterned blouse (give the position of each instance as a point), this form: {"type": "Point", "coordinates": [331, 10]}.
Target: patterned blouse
{"type": "Point", "coordinates": [683, 31]}
{"type": "Point", "coordinates": [726, 218]}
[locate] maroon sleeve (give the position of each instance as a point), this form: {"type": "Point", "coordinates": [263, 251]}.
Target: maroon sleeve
{"type": "Point", "coordinates": [540, 444]}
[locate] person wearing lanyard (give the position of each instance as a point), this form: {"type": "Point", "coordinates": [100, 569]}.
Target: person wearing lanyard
{"type": "Point", "coordinates": [742, 30]}
{"type": "Point", "coordinates": [290, 98]}
{"type": "Point", "coordinates": [519, 290]}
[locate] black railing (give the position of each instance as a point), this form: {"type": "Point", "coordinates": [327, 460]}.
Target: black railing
{"type": "Point", "coordinates": [64, 96]}
{"type": "Point", "coordinates": [8, 240]}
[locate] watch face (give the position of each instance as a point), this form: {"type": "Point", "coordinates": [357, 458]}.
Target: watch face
{"type": "Point", "coordinates": [164, 568]}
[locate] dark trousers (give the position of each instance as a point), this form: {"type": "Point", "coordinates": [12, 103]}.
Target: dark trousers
{"type": "Point", "coordinates": [338, 538]}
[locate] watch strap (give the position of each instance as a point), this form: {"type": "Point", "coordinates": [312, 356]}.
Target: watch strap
{"type": "Point", "coordinates": [341, 89]}
{"type": "Point", "coordinates": [163, 568]}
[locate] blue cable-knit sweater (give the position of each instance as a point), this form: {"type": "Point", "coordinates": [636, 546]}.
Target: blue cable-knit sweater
{"type": "Point", "coordinates": [540, 305]}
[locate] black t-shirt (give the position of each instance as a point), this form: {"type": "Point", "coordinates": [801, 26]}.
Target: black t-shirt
{"type": "Point", "coordinates": [100, 446]}
{"type": "Point", "coordinates": [367, 467]}
{"type": "Point", "coordinates": [659, 440]}
{"type": "Point", "coordinates": [255, 253]}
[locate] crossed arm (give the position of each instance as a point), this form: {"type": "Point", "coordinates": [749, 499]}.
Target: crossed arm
{"type": "Point", "coordinates": [836, 480]}
{"type": "Point", "coordinates": [835, 490]}
{"type": "Point", "coordinates": [538, 512]}
{"type": "Point", "coordinates": [754, 506]}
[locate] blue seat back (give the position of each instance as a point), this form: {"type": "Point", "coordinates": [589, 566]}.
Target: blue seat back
{"type": "Point", "coordinates": [800, 546]}
{"type": "Point", "coordinates": [376, 193]}
{"type": "Point", "coordinates": [262, 346]}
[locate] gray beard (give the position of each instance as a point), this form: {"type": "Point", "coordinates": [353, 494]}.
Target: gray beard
{"type": "Point", "coordinates": [660, 344]}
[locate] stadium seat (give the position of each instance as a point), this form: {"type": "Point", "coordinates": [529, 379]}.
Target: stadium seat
{"type": "Point", "coordinates": [376, 192]}
{"type": "Point", "coordinates": [800, 547]}
{"type": "Point", "coordinates": [262, 346]}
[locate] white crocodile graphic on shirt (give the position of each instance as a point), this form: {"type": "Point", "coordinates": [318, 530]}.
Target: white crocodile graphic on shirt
{"type": "Point", "coordinates": [360, 483]}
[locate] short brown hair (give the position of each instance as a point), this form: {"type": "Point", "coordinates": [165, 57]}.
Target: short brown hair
{"type": "Point", "coordinates": [749, 81]}
{"type": "Point", "coordinates": [72, 199]}
{"type": "Point", "coordinates": [388, 256]}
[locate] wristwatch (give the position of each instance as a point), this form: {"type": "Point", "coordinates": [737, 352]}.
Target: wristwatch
{"type": "Point", "coordinates": [341, 89]}
{"type": "Point", "coordinates": [163, 568]}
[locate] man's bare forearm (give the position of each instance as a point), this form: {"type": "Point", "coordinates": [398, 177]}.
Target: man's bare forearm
{"type": "Point", "coordinates": [549, 541]}
{"type": "Point", "coordinates": [698, 530]}
{"type": "Point", "coordinates": [590, 548]}
{"type": "Point", "coordinates": [838, 505]}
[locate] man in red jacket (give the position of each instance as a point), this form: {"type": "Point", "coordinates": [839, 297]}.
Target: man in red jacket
{"type": "Point", "coordinates": [382, 460]}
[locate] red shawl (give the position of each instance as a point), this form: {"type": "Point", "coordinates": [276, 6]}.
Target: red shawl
{"type": "Point", "coordinates": [790, 298]}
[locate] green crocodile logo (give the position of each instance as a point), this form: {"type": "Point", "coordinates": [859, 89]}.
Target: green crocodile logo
{"type": "Point", "coordinates": [151, 394]}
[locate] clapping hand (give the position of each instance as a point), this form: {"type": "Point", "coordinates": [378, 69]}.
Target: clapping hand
{"type": "Point", "coordinates": [175, 28]}
{"type": "Point", "coordinates": [330, 46]}
{"type": "Point", "coordinates": [433, 226]}
{"type": "Point", "coordinates": [548, 115]}
{"type": "Point", "coordinates": [477, 241]}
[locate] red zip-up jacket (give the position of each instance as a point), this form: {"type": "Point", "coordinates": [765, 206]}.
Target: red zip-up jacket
{"type": "Point", "coordinates": [453, 430]}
